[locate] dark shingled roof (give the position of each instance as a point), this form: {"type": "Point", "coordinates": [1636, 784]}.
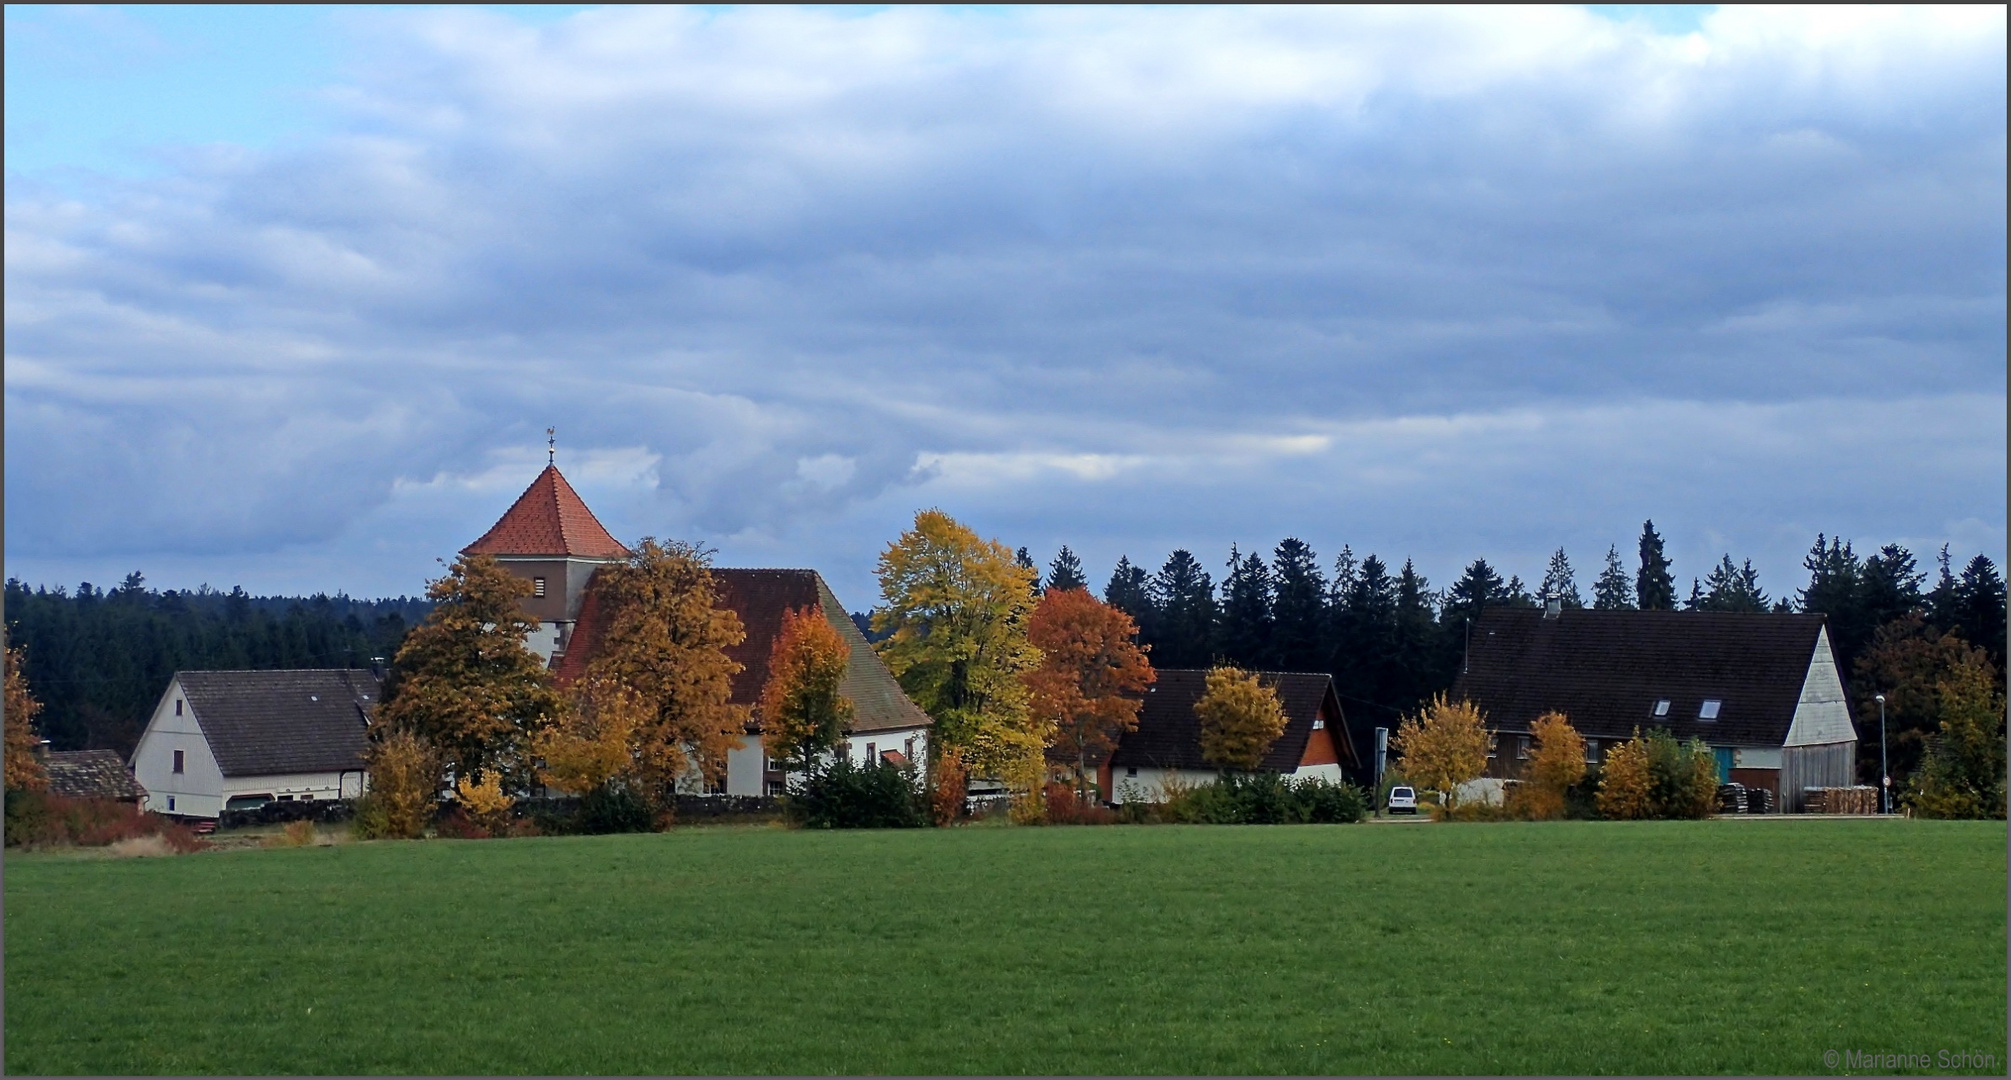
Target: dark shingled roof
{"type": "Point", "coordinates": [759, 598]}
{"type": "Point", "coordinates": [549, 518]}
{"type": "Point", "coordinates": [91, 774]}
{"type": "Point", "coordinates": [260, 723]}
{"type": "Point", "coordinates": [1168, 735]}
{"type": "Point", "coordinates": [1606, 669]}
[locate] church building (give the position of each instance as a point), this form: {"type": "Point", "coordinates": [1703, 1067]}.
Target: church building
{"type": "Point", "coordinates": [550, 538]}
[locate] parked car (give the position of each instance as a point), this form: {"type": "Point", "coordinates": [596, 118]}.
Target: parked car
{"type": "Point", "coordinates": [1403, 800]}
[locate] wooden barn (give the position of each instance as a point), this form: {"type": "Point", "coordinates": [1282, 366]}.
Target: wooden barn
{"type": "Point", "coordinates": [1166, 746]}
{"type": "Point", "coordinates": [1761, 689]}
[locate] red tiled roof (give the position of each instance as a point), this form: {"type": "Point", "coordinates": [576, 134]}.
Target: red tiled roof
{"type": "Point", "coordinates": [549, 518]}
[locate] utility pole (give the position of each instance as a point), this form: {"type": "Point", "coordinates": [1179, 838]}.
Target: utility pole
{"type": "Point", "coordinates": [1884, 770]}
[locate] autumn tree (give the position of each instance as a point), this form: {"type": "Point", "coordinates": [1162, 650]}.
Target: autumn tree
{"type": "Point", "coordinates": [404, 793]}
{"type": "Point", "coordinates": [803, 714]}
{"type": "Point", "coordinates": [1555, 763]}
{"type": "Point", "coordinates": [1240, 718]}
{"type": "Point", "coordinates": [1626, 789]}
{"type": "Point", "coordinates": [24, 769]}
{"type": "Point", "coordinates": [954, 608]}
{"type": "Point", "coordinates": [1090, 675]}
{"type": "Point", "coordinates": [595, 739]}
{"type": "Point", "coordinates": [465, 682]}
{"type": "Point", "coordinates": [666, 642]}
{"type": "Point", "coordinates": [1442, 746]}
{"type": "Point", "coordinates": [1962, 773]}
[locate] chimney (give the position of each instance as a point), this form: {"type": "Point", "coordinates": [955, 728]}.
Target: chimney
{"type": "Point", "coordinates": [1552, 607]}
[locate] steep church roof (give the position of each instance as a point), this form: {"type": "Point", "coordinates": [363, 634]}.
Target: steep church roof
{"type": "Point", "coordinates": [549, 518]}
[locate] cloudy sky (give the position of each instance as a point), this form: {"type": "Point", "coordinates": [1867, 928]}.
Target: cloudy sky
{"type": "Point", "coordinates": [292, 295]}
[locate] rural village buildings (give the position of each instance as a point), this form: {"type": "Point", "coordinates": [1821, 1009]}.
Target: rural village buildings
{"type": "Point", "coordinates": [232, 740]}
{"type": "Point", "coordinates": [1166, 745]}
{"type": "Point", "coordinates": [91, 774]}
{"type": "Point", "coordinates": [1761, 689]}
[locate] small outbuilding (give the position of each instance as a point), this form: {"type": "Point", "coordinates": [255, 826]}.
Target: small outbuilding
{"type": "Point", "coordinates": [1164, 751]}
{"type": "Point", "coordinates": [236, 740]}
{"type": "Point", "coordinates": [1761, 689]}
{"type": "Point", "coordinates": [92, 774]}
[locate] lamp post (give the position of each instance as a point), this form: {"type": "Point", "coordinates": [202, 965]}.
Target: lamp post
{"type": "Point", "coordinates": [1884, 771]}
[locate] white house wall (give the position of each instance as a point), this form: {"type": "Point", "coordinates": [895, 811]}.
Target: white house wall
{"type": "Point", "coordinates": [1822, 716]}
{"type": "Point", "coordinates": [301, 786]}
{"type": "Point", "coordinates": [1152, 785]}
{"type": "Point", "coordinates": [912, 742]}
{"type": "Point", "coordinates": [198, 789]}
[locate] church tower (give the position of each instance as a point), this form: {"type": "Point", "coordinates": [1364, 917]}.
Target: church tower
{"type": "Point", "coordinates": [549, 538]}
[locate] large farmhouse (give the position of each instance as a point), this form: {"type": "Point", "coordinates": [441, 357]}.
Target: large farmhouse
{"type": "Point", "coordinates": [1761, 689]}
{"type": "Point", "coordinates": [229, 740]}
{"type": "Point", "coordinates": [1165, 749]}
{"type": "Point", "coordinates": [550, 538]}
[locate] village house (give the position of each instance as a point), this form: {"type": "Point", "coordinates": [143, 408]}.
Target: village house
{"type": "Point", "coordinates": [236, 740]}
{"type": "Point", "coordinates": [1165, 749]}
{"type": "Point", "coordinates": [550, 537]}
{"type": "Point", "coordinates": [91, 774]}
{"type": "Point", "coordinates": [1762, 690]}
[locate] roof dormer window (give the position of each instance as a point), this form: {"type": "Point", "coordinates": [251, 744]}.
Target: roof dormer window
{"type": "Point", "coordinates": [1709, 710]}
{"type": "Point", "coordinates": [1662, 707]}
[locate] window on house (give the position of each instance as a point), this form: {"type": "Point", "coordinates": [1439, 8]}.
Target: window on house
{"type": "Point", "coordinates": [872, 753]}
{"type": "Point", "coordinates": [1491, 740]}
{"type": "Point", "coordinates": [1709, 710]}
{"type": "Point", "coordinates": [171, 804]}
{"type": "Point", "coordinates": [1319, 724]}
{"type": "Point", "coordinates": [537, 586]}
{"type": "Point", "coordinates": [1592, 751]}
{"type": "Point", "coordinates": [178, 761]}
{"type": "Point", "coordinates": [1522, 747]}
{"type": "Point", "coordinates": [178, 706]}
{"type": "Point", "coordinates": [1662, 707]}
{"type": "Point", "coordinates": [774, 788]}
{"type": "Point", "coordinates": [1132, 771]}
{"type": "Point", "coordinates": [909, 750]}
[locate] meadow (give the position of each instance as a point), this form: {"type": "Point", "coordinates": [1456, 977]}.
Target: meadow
{"type": "Point", "coordinates": [1650, 947]}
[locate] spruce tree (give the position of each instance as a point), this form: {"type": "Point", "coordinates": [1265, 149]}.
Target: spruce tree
{"type": "Point", "coordinates": [1184, 598]}
{"type": "Point", "coordinates": [1730, 588]}
{"type": "Point", "coordinates": [1890, 585]}
{"type": "Point", "coordinates": [1517, 594]}
{"type": "Point", "coordinates": [1065, 572]}
{"type": "Point", "coordinates": [1024, 561]}
{"type": "Point", "coordinates": [1478, 589]}
{"type": "Point", "coordinates": [1246, 612]}
{"type": "Point", "coordinates": [1128, 592]}
{"type": "Point", "coordinates": [1979, 608]}
{"type": "Point", "coordinates": [1298, 607]}
{"type": "Point", "coordinates": [1654, 588]}
{"type": "Point", "coordinates": [1613, 591]}
{"type": "Point", "coordinates": [1560, 582]}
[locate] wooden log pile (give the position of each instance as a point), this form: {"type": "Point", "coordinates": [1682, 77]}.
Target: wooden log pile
{"type": "Point", "coordinates": [1759, 801]}
{"type": "Point", "coordinates": [1731, 798]}
{"type": "Point", "coordinates": [1840, 800]}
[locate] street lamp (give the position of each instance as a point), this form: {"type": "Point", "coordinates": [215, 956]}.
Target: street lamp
{"type": "Point", "coordinates": [1884, 771]}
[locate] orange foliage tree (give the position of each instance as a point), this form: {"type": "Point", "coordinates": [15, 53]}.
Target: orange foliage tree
{"type": "Point", "coordinates": [24, 769]}
{"type": "Point", "coordinates": [593, 740]}
{"type": "Point", "coordinates": [1090, 674]}
{"type": "Point", "coordinates": [666, 642]}
{"type": "Point", "coordinates": [1240, 718]}
{"type": "Point", "coordinates": [1556, 763]}
{"type": "Point", "coordinates": [803, 714]}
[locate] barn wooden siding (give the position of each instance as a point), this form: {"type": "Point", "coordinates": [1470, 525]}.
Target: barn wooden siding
{"type": "Point", "coordinates": [1824, 765]}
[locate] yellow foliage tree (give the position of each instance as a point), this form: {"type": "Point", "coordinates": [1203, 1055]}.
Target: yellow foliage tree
{"type": "Point", "coordinates": [1442, 747]}
{"type": "Point", "coordinates": [1240, 718]}
{"type": "Point", "coordinates": [463, 679]}
{"type": "Point", "coordinates": [1626, 784]}
{"type": "Point", "coordinates": [802, 712]}
{"type": "Point", "coordinates": [484, 800]}
{"type": "Point", "coordinates": [954, 609]}
{"type": "Point", "coordinates": [1962, 773]}
{"type": "Point", "coordinates": [404, 787]}
{"type": "Point", "coordinates": [1556, 763]}
{"type": "Point", "coordinates": [666, 641]}
{"type": "Point", "coordinates": [23, 767]}
{"type": "Point", "coordinates": [594, 739]}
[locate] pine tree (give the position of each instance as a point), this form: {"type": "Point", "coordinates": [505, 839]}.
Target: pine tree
{"type": "Point", "coordinates": [1025, 562]}
{"type": "Point", "coordinates": [1246, 611]}
{"type": "Point", "coordinates": [1613, 591]}
{"type": "Point", "coordinates": [1066, 571]}
{"type": "Point", "coordinates": [1654, 588]}
{"type": "Point", "coordinates": [1517, 594]}
{"type": "Point", "coordinates": [1729, 588]}
{"type": "Point", "coordinates": [1560, 582]}
{"type": "Point", "coordinates": [1478, 589]}
{"type": "Point", "coordinates": [1298, 607]}
{"type": "Point", "coordinates": [1890, 585]}
{"type": "Point", "coordinates": [1184, 598]}
{"type": "Point", "coordinates": [1130, 593]}
{"type": "Point", "coordinates": [1979, 608]}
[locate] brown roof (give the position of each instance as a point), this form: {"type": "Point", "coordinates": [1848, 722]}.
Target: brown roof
{"type": "Point", "coordinates": [549, 518]}
{"type": "Point", "coordinates": [1606, 669]}
{"type": "Point", "coordinates": [259, 723]}
{"type": "Point", "coordinates": [759, 598]}
{"type": "Point", "coordinates": [1168, 735]}
{"type": "Point", "coordinates": [91, 774]}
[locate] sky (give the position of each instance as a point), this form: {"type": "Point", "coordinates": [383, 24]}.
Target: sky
{"type": "Point", "coordinates": [292, 294]}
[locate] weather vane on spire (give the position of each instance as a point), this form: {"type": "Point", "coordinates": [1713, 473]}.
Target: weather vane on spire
{"type": "Point", "coordinates": [551, 446]}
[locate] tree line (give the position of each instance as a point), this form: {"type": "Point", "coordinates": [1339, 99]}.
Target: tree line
{"type": "Point", "coordinates": [99, 658]}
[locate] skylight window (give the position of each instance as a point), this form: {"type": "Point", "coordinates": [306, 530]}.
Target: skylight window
{"type": "Point", "coordinates": [1709, 711]}
{"type": "Point", "coordinates": [1662, 707]}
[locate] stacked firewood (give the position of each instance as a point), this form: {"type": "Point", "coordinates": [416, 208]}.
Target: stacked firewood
{"type": "Point", "coordinates": [1840, 800]}
{"type": "Point", "coordinates": [1731, 798]}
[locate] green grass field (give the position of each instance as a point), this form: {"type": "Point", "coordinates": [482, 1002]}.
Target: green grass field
{"type": "Point", "coordinates": [1736, 946]}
